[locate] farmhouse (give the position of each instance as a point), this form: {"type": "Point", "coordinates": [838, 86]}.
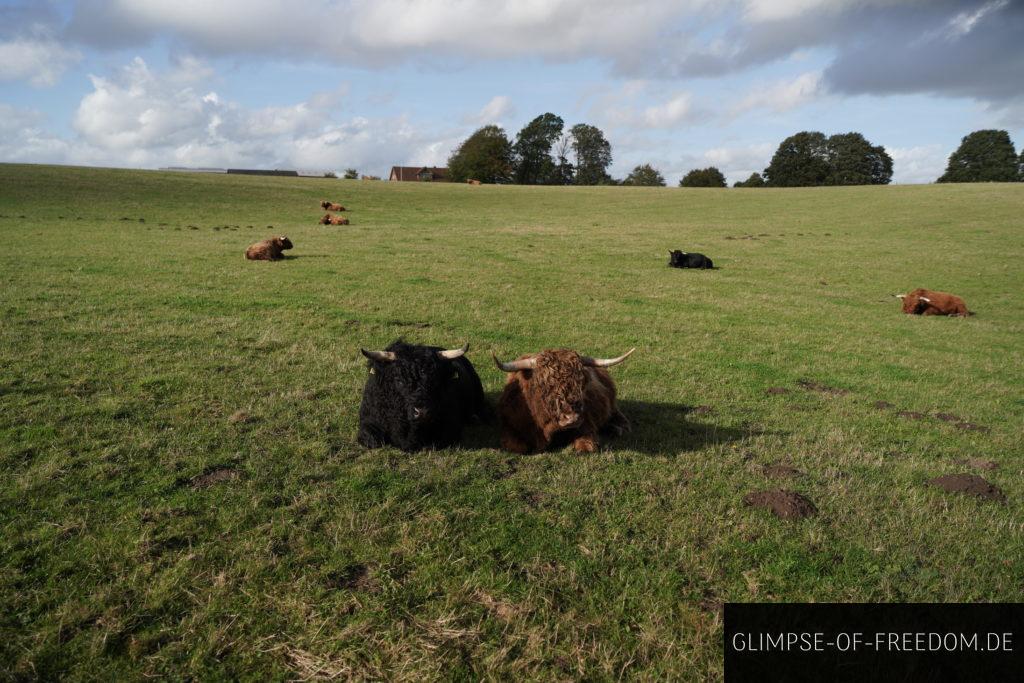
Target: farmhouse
{"type": "Point", "coordinates": [427, 174]}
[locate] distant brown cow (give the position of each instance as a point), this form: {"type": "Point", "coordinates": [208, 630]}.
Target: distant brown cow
{"type": "Point", "coordinates": [473, 182]}
{"type": "Point", "coordinates": [268, 250]}
{"type": "Point", "coordinates": [328, 219]}
{"type": "Point", "coordinates": [930, 302]}
{"type": "Point", "coordinates": [557, 397]}
{"type": "Point", "coordinates": [331, 206]}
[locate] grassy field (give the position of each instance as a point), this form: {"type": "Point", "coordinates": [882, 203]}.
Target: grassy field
{"type": "Point", "coordinates": [181, 492]}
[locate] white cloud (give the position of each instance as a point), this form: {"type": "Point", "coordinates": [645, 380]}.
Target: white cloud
{"type": "Point", "coordinates": [497, 110]}
{"type": "Point", "coordinates": [782, 96]}
{"type": "Point", "coordinates": [964, 22]}
{"type": "Point", "coordinates": [921, 164]}
{"type": "Point", "coordinates": [624, 106]}
{"type": "Point", "coordinates": [139, 117]}
{"type": "Point", "coordinates": [40, 61]}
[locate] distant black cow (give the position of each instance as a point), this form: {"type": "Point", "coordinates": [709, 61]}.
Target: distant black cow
{"type": "Point", "coordinates": [419, 397]}
{"type": "Point", "coordinates": [682, 259]}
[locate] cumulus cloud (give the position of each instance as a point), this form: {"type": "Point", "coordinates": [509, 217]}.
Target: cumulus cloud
{"type": "Point", "coordinates": [30, 48]}
{"type": "Point", "coordinates": [782, 95]}
{"type": "Point", "coordinates": [497, 110]}
{"type": "Point", "coordinates": [920, 164]}
{"type": "Point", "coordinates": [145, 118]}
{"type": "Point", "coordinates": [625, 106]}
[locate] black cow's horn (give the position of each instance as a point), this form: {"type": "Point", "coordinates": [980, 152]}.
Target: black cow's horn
{"type": "Point", "coordinates": [515, 365]}
{"type": "Point", "coordinates": [605, 362]}
{"type": "Point", "coordinates": [382, 356]}
{"type": "Point", "coordinates": [452, 354]}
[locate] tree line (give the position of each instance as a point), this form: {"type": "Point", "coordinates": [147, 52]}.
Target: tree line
{"type": "Point", "coordinates": [544, 153]}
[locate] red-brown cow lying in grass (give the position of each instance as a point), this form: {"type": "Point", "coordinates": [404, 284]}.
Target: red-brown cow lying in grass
{"type": "Point", "coordinates": [930, 302]}
{"type": "Point", "coordinates": [268, 250]}
{"type": "Point", "coordinates": [328, 219]}
{"type": "Point", "coordinates": [331, 206]}
{"type": "Point", "coordinates": [557, 397]}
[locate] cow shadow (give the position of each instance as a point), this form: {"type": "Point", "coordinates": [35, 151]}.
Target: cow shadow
{"type": "Point", "coordinates": [656, 429]}
{"type": "Point", "coordinates": [292, 257]}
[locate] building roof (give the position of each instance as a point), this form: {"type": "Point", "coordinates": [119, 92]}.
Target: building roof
{"type": "Point", "coordinates": [413, 172]}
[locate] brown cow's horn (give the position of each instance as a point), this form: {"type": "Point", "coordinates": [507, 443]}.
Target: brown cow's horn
{"type": "Point", "coordinates": [899, 296]}
{"type": "Point", "coordinates": [515, 365]}
{"type": "Point", "coordinates": [382, 356]}
{"type": "Point", "coordinates": [452, 354]}
{"type": "Point", "coordinates": [925, 299]}
{"type": "Point", "coordinates": [605, 362]}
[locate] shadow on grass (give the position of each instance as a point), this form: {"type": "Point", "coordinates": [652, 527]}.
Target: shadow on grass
{"type": "Point", "coordinates": [291, 257]}
{"type": "Point", "coordinates": [657, 428]}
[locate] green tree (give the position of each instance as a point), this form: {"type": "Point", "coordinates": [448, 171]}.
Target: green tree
{"type": "Point", "coordinates": [593, 154]}
{"type": "Point", "coordinates": [983, 156]}
{"type": "Point", "coordinates": [645, 175]}
{"type": "Point", "coordinates": [563, 171]}
{"type": "Point", "coordinates": [532, 150]}
{"type": "Point", "coordinates": [853, 160]}
{"type": "Point", "coordinates": [486, 155]}
{"type": "Point", "coordinates": [351, 174]}
{"type": "Point", "coordinates": [703, 177]}
{"type": "Point", "coordinates": [755, 180]}
{"type": "Point", "coordinates": [801, 160]}
{"type": "Point", "coordinates": [1020, 166]}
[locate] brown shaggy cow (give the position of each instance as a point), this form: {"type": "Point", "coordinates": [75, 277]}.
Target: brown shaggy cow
{"type": "Point", "coordinates": [930, 302]}
{"type": "Point", "coordinates": [473, 182]}
{"type": "Point", "coordinates": [557, 397]}
{"type": "Point", "coordinates": [328, 219]}
{"type": "Point", "coordinates": [331, 206]}
{"type": "Point", "coordinates": [268, 250]}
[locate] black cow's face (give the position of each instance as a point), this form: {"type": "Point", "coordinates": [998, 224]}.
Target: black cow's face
{"type": "Point", "coordinates": [284, 243]}
{"type": "Point", "coordinates": [675, 257]}
{"type": "Point", "coordinates": [418, 379]}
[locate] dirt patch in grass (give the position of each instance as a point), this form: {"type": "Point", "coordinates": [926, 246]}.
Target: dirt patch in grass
{"type": "Point", "coordinates": [698, 410]}
{"type": "Point", "coordinates": [970, 427]}
{"type": "Point", "coordinates": [780, 471]}
{"type": "Point", "coordinates": [355, 576]}
{"type": "Point", "coordinates": [783, 504]}
{"type": "Point", "coordinates": [502, 609]}
{"type": "Point", "coordinates": [215, 476]}
{"type": "Point", "coordinates": [911, 415]}
{"type": "Point", "coordinates": [948, 417]}
{"type": "Point", "coordinates": [774, 391]}
{"type": "Point", "coordinates": [811, 385]}
{"type": "Point", "coordinates": [240, 417]}
{"type": "Point", "coordinates": [978, 463]}
{"type": "Point", "coordinates": [882, 405]}
{"type": "Point", "coordinates": [969, 484]}
{"type": "Point", "coordinates": [409, 323]}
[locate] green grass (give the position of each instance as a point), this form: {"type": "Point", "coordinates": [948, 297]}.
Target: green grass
{"type": "Point", "coordinates": [127, 346]}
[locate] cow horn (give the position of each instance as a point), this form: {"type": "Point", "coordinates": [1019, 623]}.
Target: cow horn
{"type": "Point", "coordinates": [900, 296]}
{"type": "Point", "coordinates": [515, 365]}
{"type": "Point", "coordinates": [452, 354]}
{"type": "Point", "coordinates": [605, 362]}
{"type": "Point", "coordinates": [925, 299]}
{"type": "Point", "coordinates": [382, 356]}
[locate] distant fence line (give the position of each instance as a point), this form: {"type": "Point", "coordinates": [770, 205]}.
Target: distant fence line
{"type": "Point", "coordinates": [248, 171]}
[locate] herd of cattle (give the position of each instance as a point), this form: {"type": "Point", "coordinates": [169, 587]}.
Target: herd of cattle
{"type": "Point", "coordinates": [422, 396]}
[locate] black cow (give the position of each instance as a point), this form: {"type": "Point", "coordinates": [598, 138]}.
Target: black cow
{"type": "Point", "coordinates": [419, 397]}
{"type": "Point", "coordinates": [682, 259]}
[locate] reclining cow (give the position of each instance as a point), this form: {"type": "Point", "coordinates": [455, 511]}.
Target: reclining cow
{"type": "Point", "coordinates": [331, 206]}
{"type": "Point", "coordinates": [419, 397]}
{"type": "Point", "coordinates": [929, 302]}
{"type": "Point", "coordinates": [558, 397]}
{"type": "Point", "coordinates": [328, 219]}
{"type": "Point", "coordinates": [682, 259]}
{"type": "Point", "coordinates": [268, 250]}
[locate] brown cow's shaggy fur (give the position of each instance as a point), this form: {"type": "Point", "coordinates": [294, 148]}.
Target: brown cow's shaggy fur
{"type": "Point", "coordinates": [558, 402]}
{"type": "Point", "coordinates": [939, 303]}
{"type": "Point", "coordinates": [473, 182]}
{"type": "Point", "coordinates": [328, 219]}
{"type": "Point", "coordinates": [331, 206]}
{"type": "Point", "coordinates": [268, 250]}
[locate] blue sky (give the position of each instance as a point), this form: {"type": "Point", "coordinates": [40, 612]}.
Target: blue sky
{"type": "Point", "coordinates": [368, 84]}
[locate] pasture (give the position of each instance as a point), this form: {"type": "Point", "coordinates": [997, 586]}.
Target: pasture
{"type": "Point", "coordinates": [181, 492]}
